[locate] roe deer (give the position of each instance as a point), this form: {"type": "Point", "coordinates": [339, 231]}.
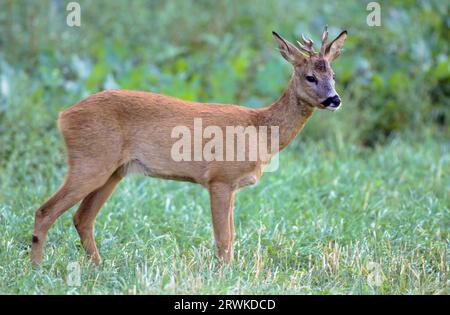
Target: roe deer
{"type": "Point", "coordinates": [110, 133]}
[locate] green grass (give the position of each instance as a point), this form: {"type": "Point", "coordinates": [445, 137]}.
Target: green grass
{"type": "Point", "coordinates": [334, 219]}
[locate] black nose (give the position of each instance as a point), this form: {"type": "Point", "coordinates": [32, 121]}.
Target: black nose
{"type": "Point", "coordinates": [335, 101]}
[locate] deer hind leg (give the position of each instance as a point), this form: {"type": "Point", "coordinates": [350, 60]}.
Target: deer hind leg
{"type": "Point", "coordinates": [75, 188]}
{"type": "Point", "coordinates": [222, 199]}
{"type": "Point", "coordinates": [231, 222]}
{"type": "Point", "coordinates": [84, 217]}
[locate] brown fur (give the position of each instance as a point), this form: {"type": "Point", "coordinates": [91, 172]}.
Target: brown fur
{"type": "Point", "coordinates": [113, 131]}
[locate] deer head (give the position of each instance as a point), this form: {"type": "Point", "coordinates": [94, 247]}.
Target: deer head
{"type": "Point", "coordinates": [313, 78]}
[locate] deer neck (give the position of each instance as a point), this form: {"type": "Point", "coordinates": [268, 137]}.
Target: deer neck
{"type": "Point", "coordinates": [290, 113]}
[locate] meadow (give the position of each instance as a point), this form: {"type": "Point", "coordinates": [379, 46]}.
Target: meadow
{"type": "Point", "coordinates": [360, 202]}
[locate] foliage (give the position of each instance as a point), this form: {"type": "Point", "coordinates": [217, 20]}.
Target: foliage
{"type": "Point", "coordinates": [364, 188]}
{"type": "Point", "coordinates": [393, 78]}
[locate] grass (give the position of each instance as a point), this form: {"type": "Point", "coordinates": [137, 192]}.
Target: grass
{"type": "Point", "coordinates": [334, 219]}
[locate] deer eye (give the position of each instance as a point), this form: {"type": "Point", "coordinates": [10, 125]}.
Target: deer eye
{"type": "Point", "coordinates": [311, 79]}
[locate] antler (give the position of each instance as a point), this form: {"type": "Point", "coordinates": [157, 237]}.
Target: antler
{"type": "Point", "coordinates": [307, 46]}
{"type": "Point", "coordinates": [324, 41]}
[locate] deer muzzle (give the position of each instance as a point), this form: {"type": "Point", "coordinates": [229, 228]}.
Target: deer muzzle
{"type": "Point", "coordinates": [332, 102]}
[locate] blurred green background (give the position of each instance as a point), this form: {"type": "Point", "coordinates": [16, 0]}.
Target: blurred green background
{"type": "Point", "coordinates": [392, 131]}
{"type": "Point", "coordinates": [393, 78]}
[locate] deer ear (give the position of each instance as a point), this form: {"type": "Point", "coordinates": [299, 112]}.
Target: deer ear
{"type": "Point", "coordinates": [288, 50]}
{"type": "Point", "coordinates": [333, 49]}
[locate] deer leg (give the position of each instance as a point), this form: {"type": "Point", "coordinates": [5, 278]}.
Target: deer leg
{"type": "Point", "coordinates": [72, 191]}
{"type": "Point", "coordinates": [232, 224]}
{"type": "Point", "coordinates": [221, 197]}
{"type": "Point", "coordinates": [84, 217]}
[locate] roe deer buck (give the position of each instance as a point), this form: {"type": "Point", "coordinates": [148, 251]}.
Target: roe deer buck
{"type": "Point", "coordinates": [112, 132]}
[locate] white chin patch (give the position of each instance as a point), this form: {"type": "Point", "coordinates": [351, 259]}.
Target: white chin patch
{"type": "Point", "coordinates": [333, 108]}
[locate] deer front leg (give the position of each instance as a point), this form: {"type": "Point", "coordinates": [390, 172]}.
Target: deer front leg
{"type": "Point", "coordinates": [222, 201]}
